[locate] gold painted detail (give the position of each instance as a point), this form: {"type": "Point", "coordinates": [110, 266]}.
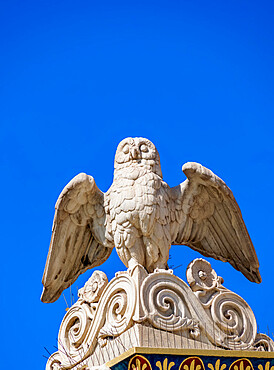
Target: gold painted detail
{"type": "Point", "coordinates": [217, 366]}
{"type": "Point", "coordinates": [164, 366]}
{"type": "Point", "coordinates": [192, 363]}
{"type": "Point", "coordinates": [190, 352]}
{"type": "Point", "coordinates": [266, 366]}
{"type": "Point", "coordinates": [241, 364]}
{"type": "Point", "coordinates": [139, 362]}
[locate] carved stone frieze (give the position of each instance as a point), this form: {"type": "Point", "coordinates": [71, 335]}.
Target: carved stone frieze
{"type": "Point", "coordinates": [159, 309]}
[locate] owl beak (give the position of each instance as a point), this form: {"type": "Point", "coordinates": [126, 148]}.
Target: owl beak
{"type": "Point", "coordinates": [134, 153]}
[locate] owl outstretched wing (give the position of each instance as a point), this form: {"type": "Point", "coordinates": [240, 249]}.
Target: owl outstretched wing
{"type": "Point", "coordinates": [78, 236]}
{"type": "Point", "coordinates": [208, 219]}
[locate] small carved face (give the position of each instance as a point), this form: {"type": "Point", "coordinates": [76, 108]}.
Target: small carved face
{"type": "Point", "coordinates": [135, 150]}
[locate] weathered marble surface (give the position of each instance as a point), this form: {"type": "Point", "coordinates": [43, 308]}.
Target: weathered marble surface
{"type": "Point", "coordinates": [142, 216]}
{"type": "Point", "coordinates": [156, 310]}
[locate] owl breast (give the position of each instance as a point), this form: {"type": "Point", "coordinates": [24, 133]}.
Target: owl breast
{"type": "Point", "coordinates": [134, 202]}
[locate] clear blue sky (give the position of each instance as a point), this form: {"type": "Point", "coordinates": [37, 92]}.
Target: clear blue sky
{"type": "Point", "coordinates": [195, 77]}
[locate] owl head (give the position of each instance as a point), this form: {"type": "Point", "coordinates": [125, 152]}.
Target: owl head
{"type": "Point", "coordinates": [137, 151]}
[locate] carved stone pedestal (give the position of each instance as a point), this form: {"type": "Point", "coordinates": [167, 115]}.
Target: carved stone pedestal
{"type": "Point", "coordinates": [155, 311]}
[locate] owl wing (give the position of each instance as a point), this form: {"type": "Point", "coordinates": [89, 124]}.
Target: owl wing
{"type": "Point", "coordinates": [208, 219]}
{"type": "Point", "coordinates": [78, 236]}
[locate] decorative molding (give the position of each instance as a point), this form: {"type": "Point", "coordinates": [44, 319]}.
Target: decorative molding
{"type": "Point", "coordinates": [86, 323]}
{"type": "Point", "coordinates": [167, 303]}
{"type": "Point", "coordinates": [234, 323]}
{"type": "Point", "coordinates": [93, 288]}
{"type": "Point", "coordinates": [134, 303]}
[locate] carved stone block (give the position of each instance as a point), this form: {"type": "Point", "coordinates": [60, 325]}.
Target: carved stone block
{"type": "Point", "coordinates": [159, 310]}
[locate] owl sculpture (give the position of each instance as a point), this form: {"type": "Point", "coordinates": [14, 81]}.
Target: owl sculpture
{"type": "Point", "coordinates": [141, 216]}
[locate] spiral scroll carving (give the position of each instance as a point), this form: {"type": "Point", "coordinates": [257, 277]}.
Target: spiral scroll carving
{"type": "Point", "coordinates": [206, 311]}
{"type": "Point", "coordinates": [235, 319]}
{"type": "Point", "coordinates": [234, 322]}
{"type": "Point", "coordinates": [87, 322]}
{"type": "Point", "coordinates": [119, 304]}
{"type": "Point", "coordinates": [54, 362]}
{"type": "Point", "coordinates": [73, 331]}
{"type": "Point", "coordinates": [163, 297]}
{"type": "Point", "coordinates": [263, 343]}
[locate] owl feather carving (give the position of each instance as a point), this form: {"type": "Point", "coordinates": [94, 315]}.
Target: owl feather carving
{"type": "Point", "coordinates": [141, 216]}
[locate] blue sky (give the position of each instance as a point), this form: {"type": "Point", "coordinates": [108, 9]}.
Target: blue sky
{"type": "Point", "coordinates": [195, 77]}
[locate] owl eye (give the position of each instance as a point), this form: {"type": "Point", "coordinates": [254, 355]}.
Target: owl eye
{"type": "Point", "coordinates": [144, 148]}
{"type": "Point", "coordinates": [125, 149]}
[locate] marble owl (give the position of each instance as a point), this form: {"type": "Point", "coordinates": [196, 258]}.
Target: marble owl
{"type": "Point", "coordinates": [141, 216]}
